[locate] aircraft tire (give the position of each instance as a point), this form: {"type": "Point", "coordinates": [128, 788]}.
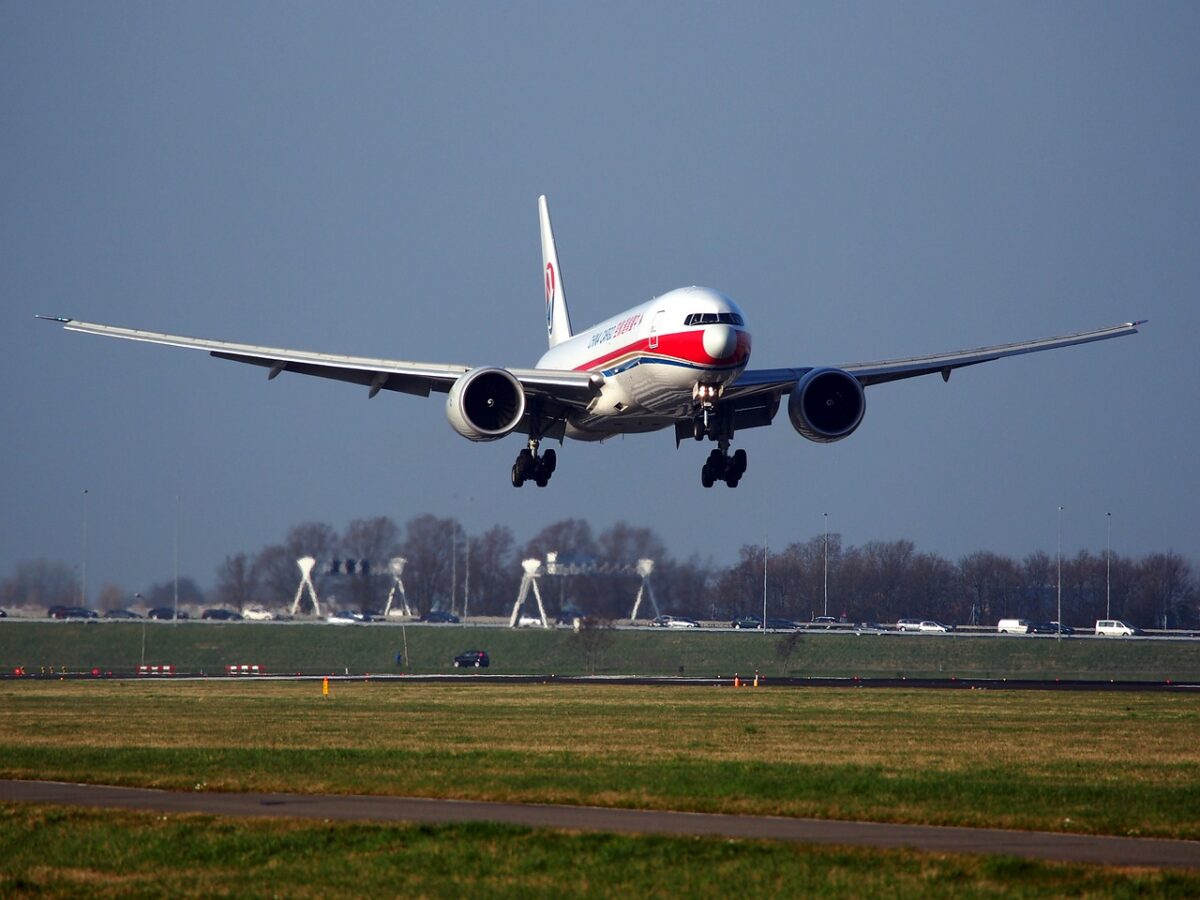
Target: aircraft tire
{"type": "Point", "coordinates": [549, 462]}
{"type": "Point", "coordinates": [517, 478]}
{"type": "Point", "coordinates": [706, 476]}
{"type": "Point", "coordinates": [739, 462]}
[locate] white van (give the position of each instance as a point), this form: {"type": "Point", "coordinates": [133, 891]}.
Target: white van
{"type": "Point", "coordinates": [1115, 628]}
{"type": "Point", "coordinates": [1013, 626]}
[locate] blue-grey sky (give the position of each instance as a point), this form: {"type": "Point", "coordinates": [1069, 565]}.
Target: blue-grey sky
{"type": "Point", "coordinates": [866, 180]}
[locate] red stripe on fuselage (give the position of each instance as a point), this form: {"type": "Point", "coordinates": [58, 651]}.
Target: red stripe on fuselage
{"type": "Point", "coordinates": [683, 345]}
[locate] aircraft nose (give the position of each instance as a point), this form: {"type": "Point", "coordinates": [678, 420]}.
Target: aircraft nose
{"type": "Point", "coordinates": [720, 341]}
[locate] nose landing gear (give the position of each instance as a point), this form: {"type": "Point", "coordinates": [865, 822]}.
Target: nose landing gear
{"type": "Point", "coordinates": [720, 466]}
{"type": "Point", "coordinates": [532, 467]}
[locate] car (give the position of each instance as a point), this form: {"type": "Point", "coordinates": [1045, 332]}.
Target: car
{"type": "Point", "coordinates": [343, 617]}
{"type": "Point", "coordinates": [1116, 628]}
{"type": "Point", "coordinates": [221, 615]}
{"type": "Point", "coordinates": [121, 614]}
{"type": "Point", "coordinates": [674, 622]}
{"type": "Point", "coordinates": [257, 614]}
{"type": "Point", "coordinates": [472, 659]}
{"type": "Point", "coordinates": [746, 622]}
{"type": "Point", "coordinates": [1050, 628]}
{"type": "Point", "coordinates": [908, 625]}
{"type": "Point", "coordinates": [868, 628]}
{"type": "Point", "coordinates": [529, 622]}
{"type": "Point", "coordinates": [929, 626]}
{"type": "Point", "coordinates": [823, 621]}
{"type": "Point", "coordinates": [781, 624]}
{"type": "Point", "coordinates": [3, 614]}
{"type": "Point", "coordinates": [71, 612]}
{"type": "Point", "coordinates": [440, 616]}
{"type": "Point", "coordinates": [165, 612]}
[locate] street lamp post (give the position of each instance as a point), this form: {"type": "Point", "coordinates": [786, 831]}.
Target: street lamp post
{"type": "Point", "coordinates": [1058, 630]}
{"type": "Point", "coordinates": [825, 566]}
{"type": "Point", "coordinates": [175, 620]}
{"type": "Point", "coordinates": [83, 561]}
{"type": "Point", "coordinates": [766, 551]}
{"type": "Point", "coordinates": [1108, 570]}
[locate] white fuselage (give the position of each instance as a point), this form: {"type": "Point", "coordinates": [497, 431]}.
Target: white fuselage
{"type": "Point", "coordinates": [652, 357]}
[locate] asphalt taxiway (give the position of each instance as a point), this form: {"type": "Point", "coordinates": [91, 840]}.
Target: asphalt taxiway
{"type": "Point", "coordinates": [1076, 848]}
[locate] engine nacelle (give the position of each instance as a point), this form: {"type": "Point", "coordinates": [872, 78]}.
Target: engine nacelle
{"type": "Point", "coordinates": [485, 404]}
{"type": "Point", "coordinates": [826, 405]}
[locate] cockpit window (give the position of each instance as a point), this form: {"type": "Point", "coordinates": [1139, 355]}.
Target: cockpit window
{"type": "Point", "coordinates": [711, 318]}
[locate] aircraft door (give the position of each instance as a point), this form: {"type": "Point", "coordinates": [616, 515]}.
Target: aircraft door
{"type": "Point", "coordinates": [654, 326]}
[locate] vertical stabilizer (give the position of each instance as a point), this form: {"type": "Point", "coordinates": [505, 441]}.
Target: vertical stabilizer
{"type": "Point", "coordinates": [558, 319]}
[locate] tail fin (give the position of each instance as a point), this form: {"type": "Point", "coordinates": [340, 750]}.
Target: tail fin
{"type": "Point", "coordinates": [558, 319]}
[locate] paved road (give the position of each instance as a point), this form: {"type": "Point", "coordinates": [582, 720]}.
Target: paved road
{"type": "Point", "coordinates": [1036, 845]}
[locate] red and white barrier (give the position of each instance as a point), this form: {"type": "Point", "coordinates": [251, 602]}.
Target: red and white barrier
{"type": "Point", "coordinates": [243, 670]}
{"type": "Point", "coordinates": [156, 670]}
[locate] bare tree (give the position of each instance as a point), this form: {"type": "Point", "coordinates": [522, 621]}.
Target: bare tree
{"type": "Point", "coordinates": [428, 541]}
{"type": "Point", "coordinates": [495, 573]}
{"type": "Point", "coordinates": [237, 582]}
{"type": "Point", "coordinates": [371, 542]}
{"type": "Point", "coordinates": [38, 583]}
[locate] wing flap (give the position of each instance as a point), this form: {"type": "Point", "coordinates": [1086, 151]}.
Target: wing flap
{"type": "Point", "coordinates": [895, 369]}
{"type": "Point", "coordinates": [781, 381]}
{"type": "Point", "coordinates": [571, 389]}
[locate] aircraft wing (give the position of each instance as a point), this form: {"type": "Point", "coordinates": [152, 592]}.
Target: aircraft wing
{"type": "Point", "coordinates": [558, 387]}
{"type": "Point", "coordinates": [758, 381]}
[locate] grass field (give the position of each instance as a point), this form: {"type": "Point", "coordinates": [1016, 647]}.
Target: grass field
{"type": "Point", "coordinates": [1085, 762]}
{"type": "Point", "coordinates": [80, 853]}
{"type": "Point", "coordinates": [197, 647]}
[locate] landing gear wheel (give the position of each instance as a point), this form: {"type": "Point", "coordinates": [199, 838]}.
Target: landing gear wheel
{"type": "Point", "coordinates": [739, 462]}
{"type": "Point", "coordinates": [720, 466]}
{"type": "Point", "coordinates": [698, 429]}
{"type": "Point", "coordinates": [531, 467]}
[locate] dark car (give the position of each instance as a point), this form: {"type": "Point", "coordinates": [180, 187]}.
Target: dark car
{"type": "Point", "coordinates": [440, 615]}
{"type": "Point", "coordinates": [121, 614]}
{"type": "Point", "coordinates": [746, 622]}
{"type": "Point", "coordinates": [165, 612]}
{"type": "Point", "coordinates": [781, 624]}
{"type": "Point", "coordinates": [472, 658]}
{"type": "Point", "coordinates": [221, 615]}
{"type": "Point", "coordinates": [3, 614]}
{"type": "Point", "coordinates": [823, 622]}
{"type": "Point", "coordinates": [71, 612]}
{"type": "Point", "coordinates": [1050, 628]}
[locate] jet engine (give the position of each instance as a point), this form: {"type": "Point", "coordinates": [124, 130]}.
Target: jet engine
{"type": "Point", "coordinates": [485, 404]}
{"type": "Point", "coordinates": [826, 405]}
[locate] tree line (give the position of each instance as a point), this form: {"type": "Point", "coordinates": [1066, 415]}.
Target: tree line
{"type": "Point", "coordinates": [480, 574]}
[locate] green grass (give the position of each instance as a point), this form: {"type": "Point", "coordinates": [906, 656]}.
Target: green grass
{"type": "Point", "coordinates": [197, 647]}
{"type": "Point", "coordinates": [1093, 763]}
{"type": "Point", "coordinates": [52, 852]}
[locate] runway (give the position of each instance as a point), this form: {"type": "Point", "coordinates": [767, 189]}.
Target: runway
{"type": "Point", "coordinates": [1076, 848]}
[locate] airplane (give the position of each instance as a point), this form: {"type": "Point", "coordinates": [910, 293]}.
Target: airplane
{"type": "Point", "coordinates": [677, 361]}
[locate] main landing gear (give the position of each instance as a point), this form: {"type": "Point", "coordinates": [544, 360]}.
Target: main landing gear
{"type": "Point", "coordinates": [716, 424]}
{"type": "Point", "coordinates": [720, 466]}
{"type": "Point", "coordinates": [532, 467]}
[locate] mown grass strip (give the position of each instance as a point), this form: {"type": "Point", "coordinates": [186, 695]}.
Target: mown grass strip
{"type": "Point", "coordinates": [1115, 764]}
{"type": "Point", "coordinates": [57, 852]}
{"type": "Point", "coordinates": [283, 648]}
